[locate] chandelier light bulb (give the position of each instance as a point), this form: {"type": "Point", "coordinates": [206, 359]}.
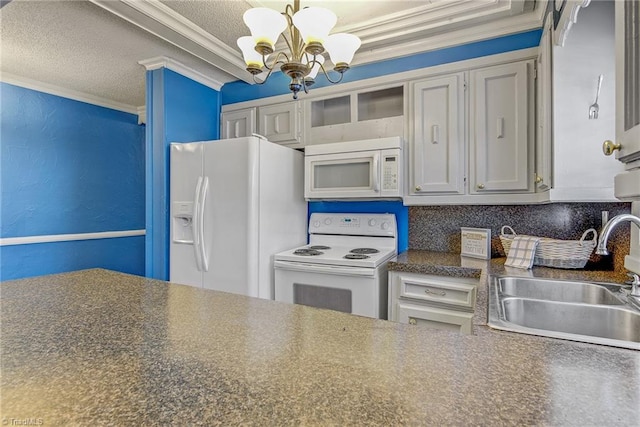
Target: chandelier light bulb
{"type": "Point", "coordinates": [252, 58]}
{"type": "Point", "coordinates": [314, 24]}
{"type": "Point", "coordinates": [265, 25]}
{"type": "Point", "coordinates": [341, 48]}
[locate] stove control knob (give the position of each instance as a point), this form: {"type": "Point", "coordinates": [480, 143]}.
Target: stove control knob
{"type": "Point", "coordinates": [372, 222]}
{"type": "Point", "coordinates": [327, 221]}
{"type": "Point", "coordinates": [385, 225]}
{"type": "Point", "coordinates": [316, 224]}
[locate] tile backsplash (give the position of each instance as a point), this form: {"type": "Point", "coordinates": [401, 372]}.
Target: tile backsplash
{"type": "Point", "coordinates": [437, 228]}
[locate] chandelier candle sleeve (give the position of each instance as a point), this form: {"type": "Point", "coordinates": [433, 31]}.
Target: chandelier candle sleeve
{"type": "Point", "coordinates": [306, 37]}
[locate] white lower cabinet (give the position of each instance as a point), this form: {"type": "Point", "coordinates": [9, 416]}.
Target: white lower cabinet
{"type": "Point", "coordinates": [437, 302]}
{"type": "Point", "coordinates": [435, 318]}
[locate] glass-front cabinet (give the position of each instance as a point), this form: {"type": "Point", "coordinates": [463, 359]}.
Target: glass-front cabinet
{"type": "Point", "coordinates": [358, 115]}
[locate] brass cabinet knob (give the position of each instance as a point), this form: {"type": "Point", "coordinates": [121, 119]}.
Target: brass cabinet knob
{"type": "Point", "coordinates": [538, 179]}
{"type": "Point", "coordinates": [418, 188]}
{"type": "Point", "coordinates": [413, 321]}
{"type": "Point", "coordinates": [608, 147]}
{"type": "Point", "coordinates": [480, 186]}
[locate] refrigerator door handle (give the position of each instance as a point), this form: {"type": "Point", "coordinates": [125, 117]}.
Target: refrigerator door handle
{"type": "Point", "coordinates": [197, 225]}
{"type": "Point", "coordinates": [203, 201]}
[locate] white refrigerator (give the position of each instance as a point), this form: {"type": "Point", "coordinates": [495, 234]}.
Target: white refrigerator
{"type": "Point", "coordinates": [234, 204]}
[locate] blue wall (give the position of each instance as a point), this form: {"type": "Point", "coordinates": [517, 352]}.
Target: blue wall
{"type": "Point", "coordinates": [278, 83]}
{"type": "Point", "coordinates": [178, 110]}
{"type": "Point", "coordinates": [395, 207]}
{"type": "Point", "coordinates": [68, 167]}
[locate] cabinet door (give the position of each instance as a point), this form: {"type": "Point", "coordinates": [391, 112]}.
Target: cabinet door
{"type": "Point", "coordinates": [438, 135]}
{"type": "Point", "coordinates": [627, 24]}
{"type": "Point", "coordinates": [237, 124]}
{"type": "Point", "coordinates": [435, 318]}
{"type": "Point", "coordinates": [280, 122]}
{"type": "Point", "coordinates": [544, 111]}
{"type": "Point", "coordinates": [500, 135]}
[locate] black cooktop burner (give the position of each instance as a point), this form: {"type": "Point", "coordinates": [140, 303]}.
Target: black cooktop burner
{"type": "Point", "coordinates": [307, 252]}
{"type": "Point", "coordinates": [364, 251]}
{"type": "Point", "coordinates": [356, 256]}
{"type": "Point", "coordinates": [319, 247]}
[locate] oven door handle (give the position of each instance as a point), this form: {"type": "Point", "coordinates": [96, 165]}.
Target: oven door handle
{"type": "Point", "coordinates": [326, 269]}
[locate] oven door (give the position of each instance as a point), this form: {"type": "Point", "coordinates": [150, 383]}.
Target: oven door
{"type": "Point", "coordinates": [342, 175]}
{"type": "Point", "coordinates": [353, 290]}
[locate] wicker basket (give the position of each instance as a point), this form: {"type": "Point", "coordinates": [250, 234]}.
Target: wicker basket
{"type": "Point", "coordinates": [556, 253]}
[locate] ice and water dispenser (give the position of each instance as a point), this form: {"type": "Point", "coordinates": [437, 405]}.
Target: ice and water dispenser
{"type": "Point", "coordinates": [183, 222]}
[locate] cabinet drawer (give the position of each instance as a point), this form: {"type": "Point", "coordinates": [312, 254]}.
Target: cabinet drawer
{"type": "Point", "coordinates": [435, 318]}
{"type": "Point", "coordinates": [443, 291]}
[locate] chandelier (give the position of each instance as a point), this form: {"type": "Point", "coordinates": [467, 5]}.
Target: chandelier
{"type": "Point", "coordinates": [307, 38]}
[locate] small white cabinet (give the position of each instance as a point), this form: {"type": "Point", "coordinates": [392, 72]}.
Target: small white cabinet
{"type": "Point", "coordinates": [239, 123]}
{"type": "Point", "coordinates": [361, 114]}
{"type": "Point", "coordinates": [435, 301]}
{"type": "Point", "coordinates": [501, 142]}
{"type": "Point", "coordinates": [281, 122]}
{"type": "Point", "coordinates": [438, 135]}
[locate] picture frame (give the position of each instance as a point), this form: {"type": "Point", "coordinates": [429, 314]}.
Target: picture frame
{"type": "Point", "coordinates": [475, 242]}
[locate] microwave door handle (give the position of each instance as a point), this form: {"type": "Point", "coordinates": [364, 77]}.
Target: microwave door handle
{"type": "Point", "coordinates": [376, 172]}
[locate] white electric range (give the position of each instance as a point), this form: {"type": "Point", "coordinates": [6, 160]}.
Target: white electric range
{"type": "Point", "coordinates": [344, 266]}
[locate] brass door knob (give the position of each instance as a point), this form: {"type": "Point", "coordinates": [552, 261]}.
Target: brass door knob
{"type": "Point", "coordinates": [418, 188]}
{"type": "Point", "coordinates": [480, 186]}
{"type": "Point", "coordinates": [608, 147]}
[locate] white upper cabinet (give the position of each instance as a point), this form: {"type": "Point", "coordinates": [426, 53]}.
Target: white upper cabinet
{"type": "Point", "coordinates": [500, 136]}
{"type": "Point", "coordinates": [438, 135]}
{"type": "Point", "coordinates": [281, 122]}
{"type": "Point", "coordinates": [627, 184]}
{"type": "Point", "coordinates": [237, 124]}
{"type": "Point", "coordinates": [580, 171]}
{"type": "Point", "coordinates": [627, 18]}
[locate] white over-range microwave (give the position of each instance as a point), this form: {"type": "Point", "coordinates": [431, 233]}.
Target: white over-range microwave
{"type": "Point", "coordinates": [355, 169]}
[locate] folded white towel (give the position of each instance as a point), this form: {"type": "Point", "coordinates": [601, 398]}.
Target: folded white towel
{"type": "Point", "coordinates": [522, 252]}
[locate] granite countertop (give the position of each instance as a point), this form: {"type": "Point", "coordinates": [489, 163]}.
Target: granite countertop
{"type": "Point", "coordinates": [101, 347]}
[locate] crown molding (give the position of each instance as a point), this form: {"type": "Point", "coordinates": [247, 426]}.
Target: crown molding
{"type": "Point", "coordinates": [165, 23]}
{"type": "Point", "coordinates": [142, 115]}
{"type": "Point", "coordinates": [180, 68]}
{"type": "Point", "coordinates": [65, 92]}
{"type": "Point", "coordinates": [425, 28]}
{"type": "Point", "coordinates": [516, 24]}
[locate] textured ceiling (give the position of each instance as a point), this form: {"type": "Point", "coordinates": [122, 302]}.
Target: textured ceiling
{"type": "Point", "coordinates": [80, 46]}
{"type": "Point", "coordinates": [94, 47]}
{"type": "Point", "coordinates": [219, 18]}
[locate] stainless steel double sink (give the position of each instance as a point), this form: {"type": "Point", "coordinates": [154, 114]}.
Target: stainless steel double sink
{"type": "Point", "coordinates": [597, 313]}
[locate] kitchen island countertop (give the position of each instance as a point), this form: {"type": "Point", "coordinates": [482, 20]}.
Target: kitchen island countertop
{"type": "Point", "coordinates": [96, 346]}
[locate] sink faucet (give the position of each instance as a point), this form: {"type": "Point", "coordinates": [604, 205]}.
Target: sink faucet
{"type": "Point", "coordinates": [601, 249]}
{"type": "Point", "coordinates": [635, 285]}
